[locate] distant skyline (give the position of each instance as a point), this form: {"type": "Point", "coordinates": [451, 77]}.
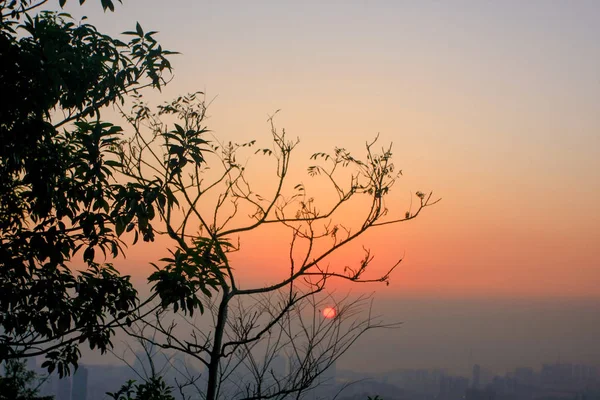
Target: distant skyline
{"type": "Point", "coordinates": [493, 106]}
{"type": "Point", "coordinates": [432, 382]}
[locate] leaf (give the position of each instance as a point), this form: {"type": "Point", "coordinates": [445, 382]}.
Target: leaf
{"type": "Point", "coordinates": [88, 254]}
{"type": "Point", "coordinates": [180, 129]}
{"type": "Point", "coordinates": [138, 29]}
{"type": "Point", "coordinates": [107, 4]}
{"type": "Point", "coordinates": [119, 227]}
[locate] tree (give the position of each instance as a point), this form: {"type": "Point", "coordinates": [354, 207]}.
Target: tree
{"type": "Point", "coordinates": [151, 389]}
{"type": "Point", "coordinates": [69, 184]}
{"type": "Point", "coordinates": [203, 215]}
{"type": "Point", "coordinates": [58, 195]}
{"type": "Point", "coordinates": [18, 383]}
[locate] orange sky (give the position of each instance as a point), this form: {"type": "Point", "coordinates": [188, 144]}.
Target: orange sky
{"type": "Point", "coordinates": [495, 109]}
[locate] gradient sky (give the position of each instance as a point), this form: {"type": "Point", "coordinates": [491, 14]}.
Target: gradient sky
{"type": "Point", "coordinates": [493, 106]}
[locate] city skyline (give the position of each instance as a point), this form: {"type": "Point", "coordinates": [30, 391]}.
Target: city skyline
{"type": "Point", "coordinates": [521, 383]}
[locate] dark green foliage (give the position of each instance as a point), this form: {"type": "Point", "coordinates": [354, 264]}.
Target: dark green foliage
{"type": "Point", "coordinates": [189, 271]}
{"type": "Point", "coordinates": [58, 196]}
{"type": "Point", "coordinates": [18, 383]}
{"type": "Point", "coordinates": [152, 389]}
{"type": "Point", "coordinates": [194, 267]}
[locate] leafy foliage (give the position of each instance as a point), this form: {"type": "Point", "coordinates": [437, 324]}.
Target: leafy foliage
{"type": "Point", "coordinates": [58, 195]}
{"type": "Point", "coordinates": [190, 272]}
{"type": "Point", "coordinates": [60, 199]}
{"type": "Point", "coordinates": [18, 383]}
{"type": "Point", "coordinates": [153, 388]}
{"type": "Point", "coordinates": [195, 266]}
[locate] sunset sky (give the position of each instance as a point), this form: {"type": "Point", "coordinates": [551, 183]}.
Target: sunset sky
{"type": "Point", "coordinates": [493, 106]}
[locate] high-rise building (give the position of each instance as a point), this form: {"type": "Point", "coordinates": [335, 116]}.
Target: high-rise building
{"type": "Point", "coordinates": [524, 376]}
{"type": "Point", "coordinates": [480, 394]}
{"type": "Point", "coordinates": [557, 375]}
{"type": "Point", "coordinates": [64, 389]}
{"type": "Point", "coordinates": [80, 381]}
{"type": "Point", "coordinates": [476, 376]}
{"type": "Point", "coordinates": [48, 387]}
{"type": "Point", "coordinates": [453, 387]}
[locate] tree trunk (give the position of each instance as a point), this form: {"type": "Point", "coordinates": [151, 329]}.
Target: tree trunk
{"type": "Point", "coordinates": [215, 354]}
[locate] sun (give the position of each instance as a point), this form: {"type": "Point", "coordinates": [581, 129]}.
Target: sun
{"type": "Point", "coordinates": [329, 312]}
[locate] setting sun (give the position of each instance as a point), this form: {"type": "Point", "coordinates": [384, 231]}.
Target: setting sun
{"type": "Point", "coordinates": [329, 312]}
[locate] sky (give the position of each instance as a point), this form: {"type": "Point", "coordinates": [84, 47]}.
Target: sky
{"type": "Point", "coordinates": [491, 105]}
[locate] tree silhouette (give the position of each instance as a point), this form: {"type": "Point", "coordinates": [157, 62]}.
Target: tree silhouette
{"type": "Point", "coordinates": [71, 186]}
{"type": "Point", "coordinates": [58, 196]}
{"type": "Point", "coordinates": [18, 383]}
{"type": "Point", "coordinates": [207, 212]}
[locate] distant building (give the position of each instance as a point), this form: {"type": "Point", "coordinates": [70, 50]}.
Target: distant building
{"type": "Point", "coordinates": [64, 389]}
{"type": "Point", "coordinates": [585, 373]}
{"type": "Point", "coordinates": [453, 387]}
{"type": "Point", "coordinates": [480, 394]}
{"type": "Point", "coordinates": [524, 376]}
{"type": "Point", "coordinates": [80, 381]}
{"type": "Point", "coordinates": [557, 375]}
{"type": "Point", "coordinates": [48, 387]}
{"type": "Point", "coordinates": [476, 376]}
